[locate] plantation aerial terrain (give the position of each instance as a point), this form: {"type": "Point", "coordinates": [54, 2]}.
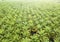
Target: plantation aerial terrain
{"type": "Point", "coordinates": [29, 21]}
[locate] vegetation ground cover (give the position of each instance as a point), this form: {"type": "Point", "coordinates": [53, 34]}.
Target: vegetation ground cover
{"type": "Point", "coordinates": [29, 22]}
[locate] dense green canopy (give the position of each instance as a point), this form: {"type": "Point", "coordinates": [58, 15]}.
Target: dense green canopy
{"type": "Point", "coordinates": [29, 22]}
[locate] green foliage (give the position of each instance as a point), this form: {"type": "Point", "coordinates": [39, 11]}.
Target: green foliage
{"type": "Point", "coordinates": [18, 19]}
